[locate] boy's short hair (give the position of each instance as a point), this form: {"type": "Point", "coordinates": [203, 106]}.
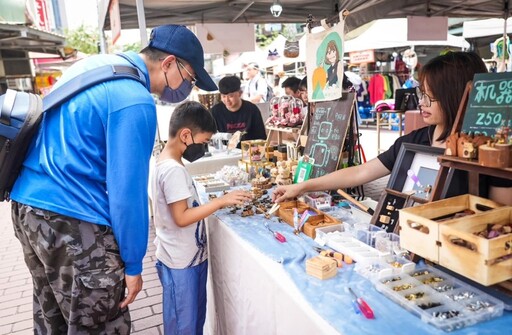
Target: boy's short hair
{"type": "Point", "coordinates": [292, 82]}
{"type": "Point", "coordinates": [229, 84]}
{"type": "Point", "coordinates": [192, 115]}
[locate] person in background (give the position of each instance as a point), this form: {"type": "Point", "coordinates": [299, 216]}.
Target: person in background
{"type": "Point", "coordinates": [256, 89]}
{"type": "Point", "coordinates": [80, 204]}
{"type": "Point", "coordinates": [303, 90]}
{"type": "Point", "coordinates": [291, 87]}
{"type": "Point", "coordinates": [181, 245]}
{"type": "Point", "coordinates": [235, 114]}
{"type": "Point", "coordinates": [443, 80]}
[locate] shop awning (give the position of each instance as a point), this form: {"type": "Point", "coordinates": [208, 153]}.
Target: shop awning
{"type": "Point", "coordinates": [158, 12]}
{"type": "Point", "coordinates": [22, 37]}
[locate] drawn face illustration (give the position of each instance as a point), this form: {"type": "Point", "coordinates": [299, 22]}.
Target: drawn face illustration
{"type": "Point", "coordinates": [332, 55]}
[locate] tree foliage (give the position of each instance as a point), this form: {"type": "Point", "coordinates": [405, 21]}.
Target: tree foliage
{"type": "Point", "coordinates": [84, 39]}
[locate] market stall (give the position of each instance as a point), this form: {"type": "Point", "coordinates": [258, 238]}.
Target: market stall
{"type": "Point", "coordinates": [259, 285]}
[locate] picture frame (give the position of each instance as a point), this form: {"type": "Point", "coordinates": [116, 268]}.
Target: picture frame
{"type": "Point", "coordinates": [415, 171]}
{"type": "Point", "coordinates": [386, 213]}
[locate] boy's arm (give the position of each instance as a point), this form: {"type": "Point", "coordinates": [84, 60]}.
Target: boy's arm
{"type": "Point", "coordinates": [184, 216]}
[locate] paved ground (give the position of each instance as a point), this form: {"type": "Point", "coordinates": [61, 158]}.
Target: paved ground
{"type": "Point", "coordinates": [146, 311]}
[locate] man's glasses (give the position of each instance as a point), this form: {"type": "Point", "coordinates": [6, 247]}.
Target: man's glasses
{"type": "Point", "coordinates": [193, 79]}
{"type": "Point", "coordinates": [427, 100]}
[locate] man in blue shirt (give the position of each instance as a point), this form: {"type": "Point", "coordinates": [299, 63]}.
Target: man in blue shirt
{"type": "Point", "coordinates": [80, 207]}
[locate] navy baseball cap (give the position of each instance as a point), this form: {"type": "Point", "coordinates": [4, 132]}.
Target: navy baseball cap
{"type": "Point", "coordinates": [182, 43]}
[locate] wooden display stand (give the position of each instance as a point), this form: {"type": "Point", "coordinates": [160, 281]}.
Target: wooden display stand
{"type": "Point", "coordinates": [379, 125]}
{"type": "Point", "coordinates": [276, 133]}
{"type": "Point", "coordinates": [474, 170]}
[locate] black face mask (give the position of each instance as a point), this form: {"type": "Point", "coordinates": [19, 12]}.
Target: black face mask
{"type": "Point", "coordinates": [194, 151]}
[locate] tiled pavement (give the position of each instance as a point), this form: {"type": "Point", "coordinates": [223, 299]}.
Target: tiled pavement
{"type": "Point", "coordinates": [16, 287]}
{"type": "Point", "coordinates": [146, 311]}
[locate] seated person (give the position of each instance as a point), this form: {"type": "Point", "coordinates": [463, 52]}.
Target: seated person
{"type": "Point", "coordinates": [234, 113]}
{"type": "Point", "coordinates": [303, 90]}
{"type": "Point", "coordinates": [291, 87]}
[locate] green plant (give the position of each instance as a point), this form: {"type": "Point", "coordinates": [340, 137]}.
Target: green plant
{"type": "Point", "coordinates": [84, 39]}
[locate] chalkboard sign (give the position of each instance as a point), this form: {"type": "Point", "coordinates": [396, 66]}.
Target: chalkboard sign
{"type": "Point", "coordinates": [327, 133]}
{"type": "Point", "coordinates": [490, 103]}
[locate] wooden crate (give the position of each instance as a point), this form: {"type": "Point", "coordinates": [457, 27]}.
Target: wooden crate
{"type": "Point", "coordinates": [486, 261]}
{"type": "Point", "coordinates": [419, 228]}
{"type": "Point", "coordinates": [285, 212]}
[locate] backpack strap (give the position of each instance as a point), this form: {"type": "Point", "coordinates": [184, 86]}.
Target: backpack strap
{"type": "Point", "coordinates": [89, 79]}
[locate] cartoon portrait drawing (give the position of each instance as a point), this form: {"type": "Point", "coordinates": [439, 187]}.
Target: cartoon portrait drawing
{"type": "Point", "coordinates": [332, 59]}
{"type": "Point", "coordinates": [326, 68]}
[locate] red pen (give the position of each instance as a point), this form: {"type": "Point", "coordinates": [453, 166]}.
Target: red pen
{"type": "Point", "coordinates": [363, 306]}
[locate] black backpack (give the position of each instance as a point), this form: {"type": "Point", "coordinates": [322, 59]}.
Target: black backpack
{"type": "Point", "coordinates": [21, 113]}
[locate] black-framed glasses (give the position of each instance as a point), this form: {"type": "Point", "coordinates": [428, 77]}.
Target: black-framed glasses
{"type": "Point", "coordinates": [422, 96]}
{"type": "Point", "coordinates": [193, 79]}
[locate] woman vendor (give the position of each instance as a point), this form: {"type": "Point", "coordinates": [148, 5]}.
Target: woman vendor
{"type": "Point", "coordinates": [442, 83]}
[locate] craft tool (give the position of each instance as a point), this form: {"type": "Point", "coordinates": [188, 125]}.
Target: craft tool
{"type": "Point", "coordinates": [414, 178]}
{"type": "Point", "coordinates": [276, 234]}
{"type": "Point", "coordinates": [303, 219]}
{"type": "Point", "coordinates": [272, 210]}
{"type": "Point", "coordinates": [296, 221]}
{"type": "Point", "coordinates": [355, 202]}
{"type": "Point", "coordinates": [363, 306]}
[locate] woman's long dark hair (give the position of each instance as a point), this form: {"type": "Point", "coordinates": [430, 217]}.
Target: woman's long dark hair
{"type": "Point", "coordinates": [446, 76]}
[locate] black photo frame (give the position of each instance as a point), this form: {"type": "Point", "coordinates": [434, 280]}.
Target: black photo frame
{"type": "Point", "coordinates": [406, 99]}
{"type": "Point", "coordinates": [386, 213]}
{"type": "Point", "coordinates": [421, 160]}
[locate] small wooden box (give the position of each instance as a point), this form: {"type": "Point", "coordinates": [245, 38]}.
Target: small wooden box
{"type": "Point", "coordinates": [419, 225]}
{"type": "Point", "coordinates": [486, 261]}
{"type": "Point", "coordinates": [499, 155]}
{"type": "Point", "coordinates": [321, 267]}
{"type": "Point", "coordinates": [285, 212]}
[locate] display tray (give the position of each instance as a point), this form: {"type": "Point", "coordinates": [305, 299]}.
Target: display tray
{"type": "Point", "coordinates": [419, 225]}
{"type": "Point", "coordinates": [439, 298]}
{"type": "Point", "coordinates": [321, 219]}
{"type": "Point", "coordinates": [208, 183]}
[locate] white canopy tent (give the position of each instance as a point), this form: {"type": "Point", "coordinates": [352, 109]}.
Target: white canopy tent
{"type": "Point", "coordinates": [489, 27]}
{"type": "Point", "coordinates": [260, 56]}
{"type": "Point", "coordinates": [392, 33]}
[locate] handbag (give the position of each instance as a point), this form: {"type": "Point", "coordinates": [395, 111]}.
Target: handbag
{"type": "Point", "coordinates": [291, 49]}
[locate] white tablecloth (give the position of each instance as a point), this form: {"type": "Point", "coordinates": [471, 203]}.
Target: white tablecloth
{"type": "Point", "coordinates": [249, 293]}
{"type": "Point", "coordinates": [213, 163]}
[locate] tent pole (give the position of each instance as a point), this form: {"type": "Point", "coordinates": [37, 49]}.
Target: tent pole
{"type": "Point", "coordinates": [142, 23]}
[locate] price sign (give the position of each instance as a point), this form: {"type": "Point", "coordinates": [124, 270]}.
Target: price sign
{"type": "Point", "coordinates": [490, 103]}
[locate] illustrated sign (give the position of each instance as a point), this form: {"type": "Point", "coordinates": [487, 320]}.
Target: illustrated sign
{"type": "Point", "coordinates": [490, 103]}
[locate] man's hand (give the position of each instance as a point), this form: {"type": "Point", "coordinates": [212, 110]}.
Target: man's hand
{"type": "Point", "coordinates": [134, 285]}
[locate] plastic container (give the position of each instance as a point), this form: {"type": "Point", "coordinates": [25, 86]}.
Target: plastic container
{"type": "Point", "coordinates": [318, 200]}
{"type": "Point", "coordinates": [440, 299]}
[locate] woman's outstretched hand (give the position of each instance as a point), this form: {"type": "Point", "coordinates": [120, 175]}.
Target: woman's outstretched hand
{"type": "Point", "coordinates": [283, 193]}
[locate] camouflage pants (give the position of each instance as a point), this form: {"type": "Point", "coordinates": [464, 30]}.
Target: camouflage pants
{"type": "Point", "coordinates": [77, 273]}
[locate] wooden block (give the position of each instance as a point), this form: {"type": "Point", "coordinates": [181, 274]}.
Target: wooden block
{"type": "Point", "coordinates": [321, 267]}
{"type": "Point", "coordinates": [498, 156]}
